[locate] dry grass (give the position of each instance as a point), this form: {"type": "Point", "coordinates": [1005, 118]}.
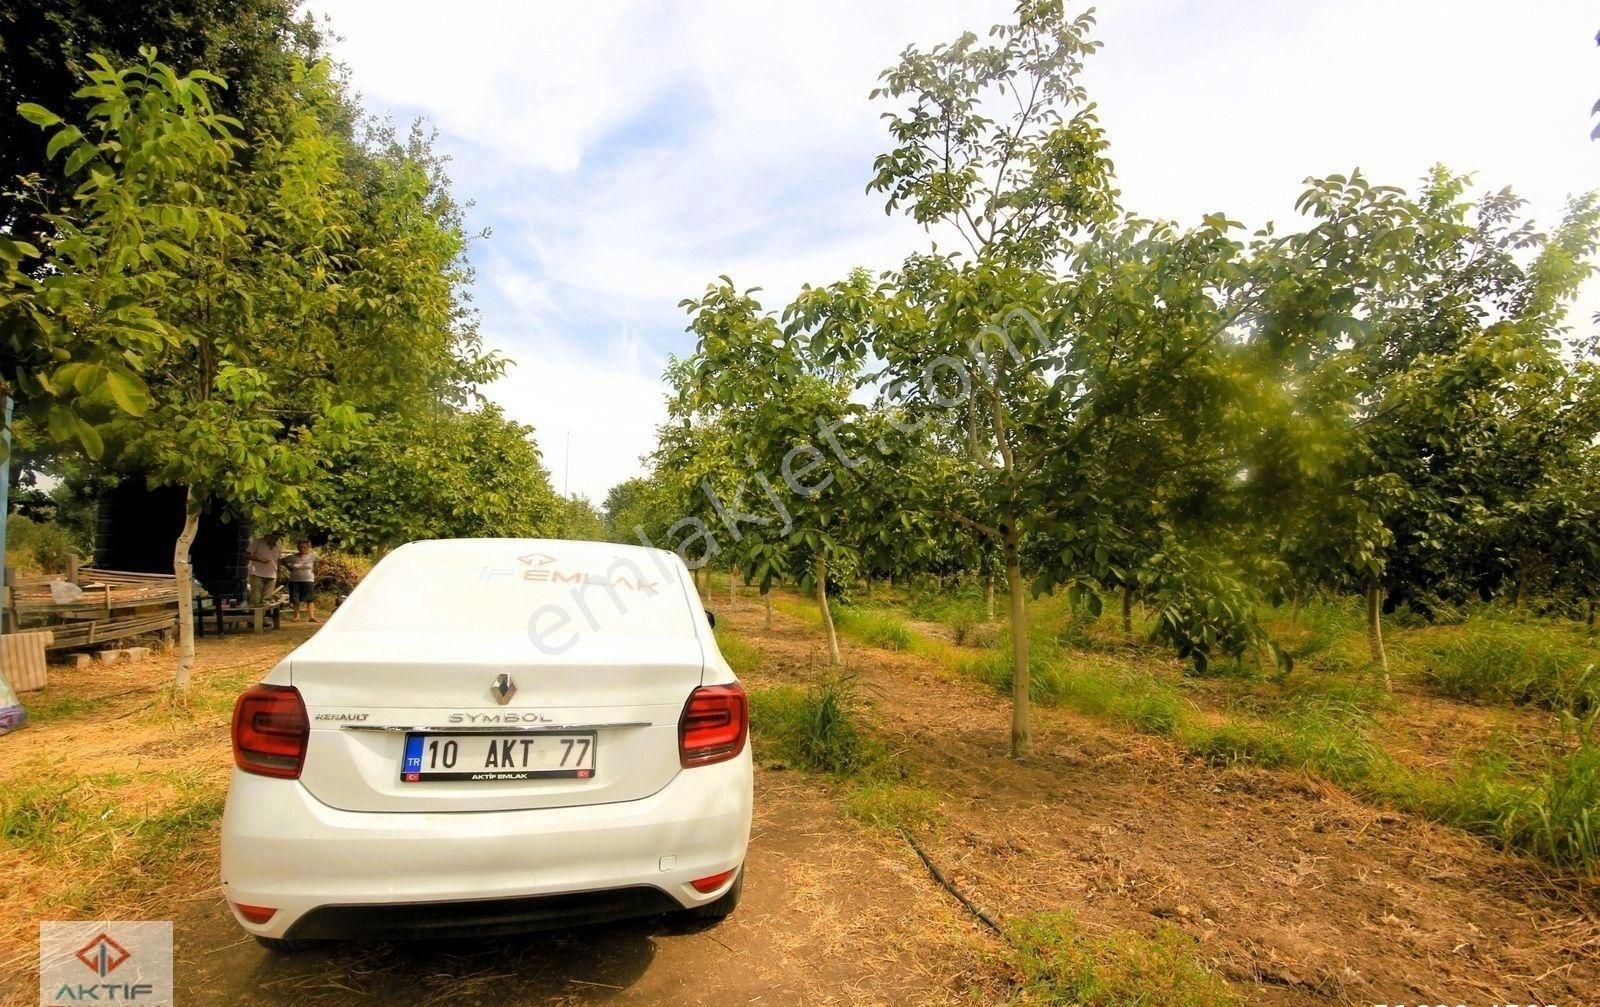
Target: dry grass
{"type": "Point", "coordinates": [110, 806]}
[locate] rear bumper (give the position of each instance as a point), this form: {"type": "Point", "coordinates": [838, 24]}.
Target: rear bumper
{"type": "Point", "coordinates": [376, 875]}
{"type": "Point", "coordinates": [423, 920]}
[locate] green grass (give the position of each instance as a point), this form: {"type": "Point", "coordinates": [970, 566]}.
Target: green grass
{"type": "Point", "coordinates": [742, 655]}
{"type": "Point", "coordinates": [1088, 683]}
{"type": "Point", "coordinates": [964, 606]}
{"type": "Point", "coordinates": [822, 729]}
{"type": "Point", "coordinates": [1322, 629]}
{"type": "Point", "coordinates": [57, 708]}
{"type": "Point", "coordinates": [1060, 966]}
{"type": "Point", "coordinates": [1325, 723]}
{"type": "Point", "coordinates": [819, 728]}
{"type": "Point", "coordinates": [1549, 809]}
{"type": "Point", "coordinates": [1324, 737]}
{"type": "Point", "coordinates": [892, 805]}
{"type": "Point", "coordinates": [875, 627]}
{"type": "Point", "coordinates": [51, 816]}
{"type": "Point", "coordinates": [1324, 719]}
{"type": "Point", "coordinates": [102, 849]}
{"type": "Point", "coordinates": [32, 812]}
{"type": "Point", "coordinates": [1496, 660]}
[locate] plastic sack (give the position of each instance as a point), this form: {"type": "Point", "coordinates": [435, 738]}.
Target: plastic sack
{"type": "Point", "coordinates": [12, 715]}
{"type": "Point", "coordinates": [64, 592]}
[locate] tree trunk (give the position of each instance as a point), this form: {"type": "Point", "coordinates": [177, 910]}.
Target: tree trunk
{"type": "Point", "coordinates": [1127, 610]}
{"type": "Point", "coordinates": [1294, 608]}
{"type": "Point", "coordinates": [866, 587]}
{"type": "Point", "coordinates": [184, 569]}
{"type": "Point", "coordinates": [827, 616]}
{"type": "Point", "coordinates": [767, 597]}
{"type": "Point", "coordinates": [733, 583]}
{"type": "Point", "coordinates": [1375, 630]}
{"type": "Point", "coordinates": [1021, 731]}
{"type": "Point", "coordinates": [1590, 621]}
{"type": "Point", "coordinates": [988, 595]}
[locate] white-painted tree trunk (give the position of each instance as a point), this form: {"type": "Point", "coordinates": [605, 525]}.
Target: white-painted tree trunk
{"type": "Point", "coordinates": [827, 615]}
{"type": "Point", "coordinates": [1021, 727]}
{"type": "Point", "coordinates": [1375, 631]}
{"type": "Point", "coordinates": [184, 571]}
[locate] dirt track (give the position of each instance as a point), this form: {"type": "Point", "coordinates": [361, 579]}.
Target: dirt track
{"type": "Point", "coordinates": [1296, 891]}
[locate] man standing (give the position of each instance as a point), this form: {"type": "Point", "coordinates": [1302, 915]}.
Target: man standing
{"type": "Point", "coordinates": [261, 556]}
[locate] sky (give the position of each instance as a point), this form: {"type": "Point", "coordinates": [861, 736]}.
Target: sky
{"type": "Point", "coordinates": [624, 156]}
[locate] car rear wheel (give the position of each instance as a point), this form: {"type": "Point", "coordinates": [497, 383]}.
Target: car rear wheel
{"type": "Point", "coordinates": [711, 912]}
{"type": "Point", "coordinates": [279, 946]}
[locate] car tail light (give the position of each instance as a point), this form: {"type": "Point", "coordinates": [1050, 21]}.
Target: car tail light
{"type": "Point", "coordinates": [270, 729]}
{"type": "Point", "coordinates": [705, 886]}
{"type": "Point", "coordinates": [254, 914]}
{"type": "Point", "coordinates": [714, 725]}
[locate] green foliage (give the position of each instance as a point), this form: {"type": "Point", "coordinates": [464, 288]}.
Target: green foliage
{"type": "Point", "coordinates": [253, 44]}
{"type": "Point", "coordinates": [635, 507]}
{"type": "Point", "coordinates": [817, 728]}
{"type": "Point", "coordinates": [1061, 966]}
{"type": "Point", "coordinates": [144, 173]}
{"type": "Point", "coordinates": [579, 519]}
{"type": "Point", "coordinates": [187, 249]}
{"type": "Point", "coordinates": [338, 572]}
{"type": "Point", "coordinates": [33, 547]}
{"type": "Point", "coordinates": [1384, 401]}
{"type": "Point", "coordinates": [1204, 610]}
{"type": "Point", "coordinates": [452, 474]}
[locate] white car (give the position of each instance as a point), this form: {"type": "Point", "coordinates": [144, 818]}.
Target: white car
{"type": "Point", "coordinates": [491, 736]}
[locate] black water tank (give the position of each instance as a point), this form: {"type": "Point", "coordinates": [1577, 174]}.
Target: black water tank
{"type": "Point", "coordinates": [137, 529]}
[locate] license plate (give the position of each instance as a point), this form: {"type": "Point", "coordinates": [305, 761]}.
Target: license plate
{"type": "Point", "coordinates": [484, 757]}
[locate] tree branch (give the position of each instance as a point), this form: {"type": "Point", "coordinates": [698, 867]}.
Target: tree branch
{"type": "Point", "coordinates": [978, 526]}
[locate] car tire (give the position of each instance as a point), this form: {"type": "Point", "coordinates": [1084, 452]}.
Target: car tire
{"type": "Point", "coordinates": [713, 912]}
{"type": "Point", "coordinates": [279, 946]}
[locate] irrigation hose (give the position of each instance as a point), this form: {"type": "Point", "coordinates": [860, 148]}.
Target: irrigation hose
{"type": "Point", "coordinates": [949, 886]}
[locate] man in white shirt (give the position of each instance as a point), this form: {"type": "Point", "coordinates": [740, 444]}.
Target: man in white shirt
{"type": "Point", "coordinates": [261, 557]}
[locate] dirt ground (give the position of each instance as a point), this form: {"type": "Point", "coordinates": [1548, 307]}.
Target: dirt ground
{"type": "Point", "coordinates": [1296, 891]}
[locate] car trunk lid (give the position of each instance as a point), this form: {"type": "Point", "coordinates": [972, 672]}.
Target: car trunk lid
{"type": "Point", "coordinates": [364, 702]}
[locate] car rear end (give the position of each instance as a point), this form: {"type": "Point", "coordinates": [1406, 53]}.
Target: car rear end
{"type": "Point", "coordinates": [491, 735]}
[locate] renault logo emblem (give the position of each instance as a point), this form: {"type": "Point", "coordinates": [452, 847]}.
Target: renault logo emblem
{"type": "Point", "coordinates": [503, 689]}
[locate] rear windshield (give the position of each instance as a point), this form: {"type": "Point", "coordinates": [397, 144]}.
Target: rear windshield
{"type": "Point", "coordinates": [524, 591]}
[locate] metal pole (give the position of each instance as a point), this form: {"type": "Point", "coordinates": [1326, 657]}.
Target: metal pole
{"type": "Point", "coordinates": [566, 475]}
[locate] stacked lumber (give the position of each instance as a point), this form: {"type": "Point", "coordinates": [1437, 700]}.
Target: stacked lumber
{"type": "Point", "coordinates": [114, 604]}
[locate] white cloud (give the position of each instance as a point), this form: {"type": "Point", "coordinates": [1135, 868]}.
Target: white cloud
{"type": "Point", "coordinates": [627, 154]}
{"type": "Point", "coordinates": [607, 412]}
